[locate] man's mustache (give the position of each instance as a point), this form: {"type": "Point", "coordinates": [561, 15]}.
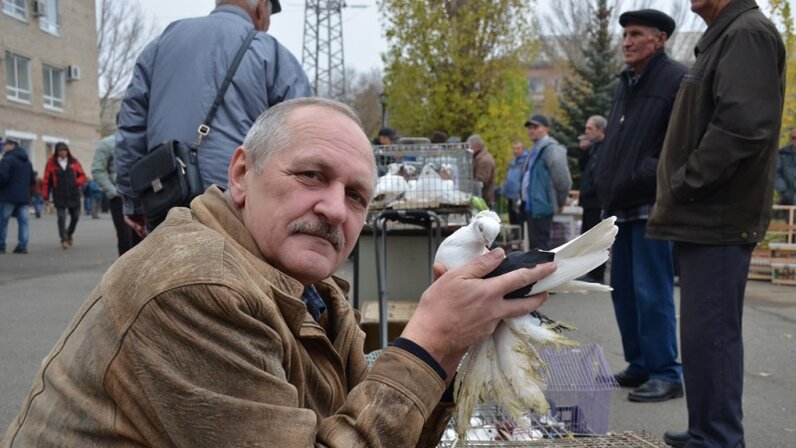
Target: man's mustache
{"type": "Point", "coordinates": [320, 229]}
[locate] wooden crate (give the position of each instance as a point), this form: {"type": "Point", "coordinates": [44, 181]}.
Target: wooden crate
{"type": "Point", "coordinates": [783, 264]}
{"type": "Point", "coordinates": [783, 224]}
{"type": "Point", "coordinates": [760, 266]}
{"type": "Point", "coordinates": [398, 314]}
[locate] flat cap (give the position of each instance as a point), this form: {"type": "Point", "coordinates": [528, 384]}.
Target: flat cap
{"type": "Point", "coordinates": [649, 17]}
{"type": "Point", "coordinates": [538, 120]}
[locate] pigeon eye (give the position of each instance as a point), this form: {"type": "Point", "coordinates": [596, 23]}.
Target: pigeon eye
{"type": "Point", "coordinates": [480, 227]}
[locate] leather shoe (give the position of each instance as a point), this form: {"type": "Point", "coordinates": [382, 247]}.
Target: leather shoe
{"type": "Point", "coordinates": [626, 379]}
{"type": "Point", "coordinates": [655, 390]}
{"type": "Point", "coordinates": [676, 439]}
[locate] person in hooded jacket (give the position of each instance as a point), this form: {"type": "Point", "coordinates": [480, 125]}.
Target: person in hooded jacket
{"type": "Point", "coordinates": [64, 178]}
{"type": "Point", "coordinates": [16, 178]}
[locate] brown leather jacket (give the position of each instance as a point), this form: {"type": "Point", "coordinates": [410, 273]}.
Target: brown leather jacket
{"type": "Point", "coordinates": [192, 340]}
{"type": "Point", "coordinates": [716, 170]}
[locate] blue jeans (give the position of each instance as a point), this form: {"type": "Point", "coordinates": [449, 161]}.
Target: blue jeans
{"type": "Point", "coordinates": [38, 204]}
{"type": "Point", "coordinates": [642, 275]}
{"type": "Point", "coordinates": [20, 212]}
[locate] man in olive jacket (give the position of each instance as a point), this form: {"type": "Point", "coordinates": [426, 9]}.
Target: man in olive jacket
{"type": "Point", "coordinates": [225, 326]}
{"type": "Point", "coordinates": [715, 185]}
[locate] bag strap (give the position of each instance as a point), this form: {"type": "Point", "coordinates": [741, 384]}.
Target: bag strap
{"type": "Point", "coordinates": [204, 128]}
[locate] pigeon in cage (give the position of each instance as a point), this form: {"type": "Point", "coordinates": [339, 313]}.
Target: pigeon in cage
{"type": "Point", "coordinates": [390, 187]}
{"type": "Point", "coordinates": [506, 368]}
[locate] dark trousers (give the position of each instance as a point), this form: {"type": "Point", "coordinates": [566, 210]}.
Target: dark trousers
{"type": "Point", "coordinates": [591, 217]}
{"type": "Point", "coordinates": [126, 238]}
{"type": "Point", "coordinates": [712, 283]}
{"type": "Point", "coordinates": [517, 217]}
{"type": "Point", "coordinates": [74, 214]}
{"type": "Point", "coordinates": [539, 230]}
{"type": "Point", "coordinates": [643, 280]}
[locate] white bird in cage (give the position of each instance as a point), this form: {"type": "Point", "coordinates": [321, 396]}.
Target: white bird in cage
{"type": "Point", "coordinates": [391, 186]}
{"type": "Point", "coordinates": [506, 368]}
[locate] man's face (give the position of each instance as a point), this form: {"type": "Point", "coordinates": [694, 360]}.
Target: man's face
{"type": "Point", "coordinates": [307, 205]}
{"type": "Point", "coordinates": [536, 132]}
{"type": "Point", "coordinates": [594, 133]}
{"type": "Point", "coordinates": [517, 149]}
{"type": "Point", "coordinates": [384, 140]}
{"type": "Point", "coordinates": [640, 43]}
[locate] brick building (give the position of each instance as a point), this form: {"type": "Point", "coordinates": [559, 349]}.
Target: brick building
{"type": "Point", "coordinates": [48, 51]}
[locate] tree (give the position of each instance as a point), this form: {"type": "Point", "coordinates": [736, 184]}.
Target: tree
{"type": "Point", "coordinates": [362, 93]}
{"type": "Point", "coordinates": [122, 32]}
{"type": "Point", "coordinates": [457, 66]}
{"type": "Point", "coordinates": [780, 14]}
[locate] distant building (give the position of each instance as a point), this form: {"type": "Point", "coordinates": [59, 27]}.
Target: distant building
{"type": "Point", "coordinates": [48, 50]}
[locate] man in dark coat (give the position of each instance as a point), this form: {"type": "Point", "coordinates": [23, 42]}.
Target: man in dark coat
{"type": "Point", "coordinates": [593, 137]}
{"type": "Point", "coordinates": [715, 185]}
{"type": "Point", "coordinates": [16, 178]}
{"type": "Point", "coordinates": [642, 272]}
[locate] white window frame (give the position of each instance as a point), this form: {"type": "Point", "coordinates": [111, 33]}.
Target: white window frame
{"type": "Point", "coordinates": [23, 136]}
{"type": "Point", "coordinates": [50, 22]}
{"type": "Point", "coordinates": [13, 92]}
{"type": "Point", "coordinates": [15, 10]}
{"type": "Point", "coordinates": [50, 101]}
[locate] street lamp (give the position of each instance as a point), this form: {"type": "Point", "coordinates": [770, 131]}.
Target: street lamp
{"type": "Point", "coordinates": [383, 102]}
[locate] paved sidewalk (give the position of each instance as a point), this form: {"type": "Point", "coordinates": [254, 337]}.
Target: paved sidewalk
{"type": "Point", "coordinates": [41, 291]}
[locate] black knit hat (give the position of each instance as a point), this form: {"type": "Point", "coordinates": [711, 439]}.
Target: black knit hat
{"type": "Point", "coordinates": [649, 17]}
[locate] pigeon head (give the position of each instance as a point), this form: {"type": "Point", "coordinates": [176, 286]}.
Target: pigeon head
{"type": "Point", "coordinates": [487, 225]}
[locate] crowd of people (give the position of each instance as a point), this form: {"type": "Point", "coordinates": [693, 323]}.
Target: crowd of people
{"type": "Point", "coordinates": [226, 326]}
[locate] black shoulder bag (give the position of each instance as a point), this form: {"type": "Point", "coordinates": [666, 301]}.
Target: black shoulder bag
{"type": "Point", "coordinates": [168, 176]}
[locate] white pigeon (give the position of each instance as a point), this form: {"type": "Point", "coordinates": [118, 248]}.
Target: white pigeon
{"type": "Point", "coordinates": [389, 187]}
{"type": "Point", "coordinates": [506, 368]}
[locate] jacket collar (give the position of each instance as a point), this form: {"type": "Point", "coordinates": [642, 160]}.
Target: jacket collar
{"type": "Point", "coordinates": [214, 211]}
{"type": "Point", "coordinates": [628, 73]}
{"type": "Point", "coordinates": [721, 22]}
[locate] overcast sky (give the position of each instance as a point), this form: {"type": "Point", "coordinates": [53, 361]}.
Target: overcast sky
{"type": "Point", "coordinates": [363, 42]}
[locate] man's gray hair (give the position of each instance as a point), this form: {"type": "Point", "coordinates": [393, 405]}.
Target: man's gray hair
{"type": "Point", "coordinates": [475, 140]}
{"type": "Point", "coordinates": [272, 133]}
{"type": "Point", "coordinates": [599, 121]}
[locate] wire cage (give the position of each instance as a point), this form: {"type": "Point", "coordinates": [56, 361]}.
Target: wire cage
{"type": "Point", "coordinates": [622, 440]}
{"type": "Point", "coordinates": [579, 387]}
{"type": "Point", "coordinates": [427, 176]}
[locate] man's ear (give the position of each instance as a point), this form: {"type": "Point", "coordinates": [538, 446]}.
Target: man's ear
{"type": "Point", "coordinates": [239, 166]}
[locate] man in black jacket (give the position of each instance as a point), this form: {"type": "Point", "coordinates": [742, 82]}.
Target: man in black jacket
{"type": "Point", "coordinates": [593, 137]}
{"type": "Point", "coordinates": [642, 273]}
{"type": "Point", "coordinates": [715, 185]}
{"type": "Point", "coordinates": [16, 178]}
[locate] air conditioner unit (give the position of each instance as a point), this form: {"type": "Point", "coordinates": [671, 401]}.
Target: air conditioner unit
{"type": "Point", "coordinates": [39, 8]}
{"type": "Point", "coordinates": [73, 73]}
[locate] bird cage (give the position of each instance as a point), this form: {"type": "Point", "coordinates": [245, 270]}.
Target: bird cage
{"type": "Point", "coordinates": [436, 177]}
{"type": "Point", "coordinates": [623, 440]}
{"type": "Point", "coordinates": [579, 387]}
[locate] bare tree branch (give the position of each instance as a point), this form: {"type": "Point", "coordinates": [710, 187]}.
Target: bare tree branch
{"type": "Point", "coordinates": [122, 32]}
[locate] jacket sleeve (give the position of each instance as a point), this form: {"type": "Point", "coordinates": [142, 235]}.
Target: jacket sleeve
{"type": "Point", "coordinates": [747, 78]}
{"type": "Point", "coordinates": [200, 368]}
{"type": "Point", "coordinates": [46, 185]}
{"type": "Point", "coordinates": [556, 160]}
{"type": "Point", "coordinates": [5, 172]}
{"type": "Point", "coordinates": [288, 79]}
{"type": "Point", "coordinates": [100, 167]}
{"type": "Point", "coordinates": [131, 139]}
{"type": "Point", "coordinates": [80, 175]}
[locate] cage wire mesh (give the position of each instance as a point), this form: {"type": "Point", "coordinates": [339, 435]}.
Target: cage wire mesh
{"type": "Point", "coordinates": [621, 440]}
{"type": "Point", "coordinates": [579, 386]}
{"type": "Point", "coordinates": [436, 177]}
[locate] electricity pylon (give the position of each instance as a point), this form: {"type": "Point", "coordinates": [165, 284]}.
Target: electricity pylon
{"type": "Point", "coordinates": [322, 56]}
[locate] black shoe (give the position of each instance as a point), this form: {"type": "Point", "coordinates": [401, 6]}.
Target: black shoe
{"type": "Point", "coordinates": [655, 390]}
{"type": "Point", "coordinates": [18, 250]}
{"type": "Point", "coordinates": [676, 439]}
{"type": "Point", "coordinates": [626, 379]}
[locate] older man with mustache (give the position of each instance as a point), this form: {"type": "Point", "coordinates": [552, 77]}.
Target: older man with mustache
{"type": "Point", "coordinates": [226, 326]}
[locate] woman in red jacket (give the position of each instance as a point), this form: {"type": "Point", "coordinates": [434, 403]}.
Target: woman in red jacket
{"type": "Point", "coordinates": [64, 178]}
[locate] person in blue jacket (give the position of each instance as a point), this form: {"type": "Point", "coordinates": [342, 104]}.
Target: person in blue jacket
{"type": "Point", "coordinates": [16, 178]}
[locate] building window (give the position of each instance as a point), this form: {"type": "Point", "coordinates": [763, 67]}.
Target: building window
{"type": "Point", "coordinates": [16, 8]}
{"type": "Point", "coordinates": [49, 20]}
{"type": "Point", "coordinates": [53, 88]}
{"type": "Point", "coordinates": [17, 77]}
{"type": "Point", "coordinates": [536, 85]}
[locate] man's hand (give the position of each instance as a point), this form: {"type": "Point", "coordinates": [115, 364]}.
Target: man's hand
{"type": "Point", "coordinates": [462, 309]}
{"type": "Point", "coordinates": [137, 223]}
